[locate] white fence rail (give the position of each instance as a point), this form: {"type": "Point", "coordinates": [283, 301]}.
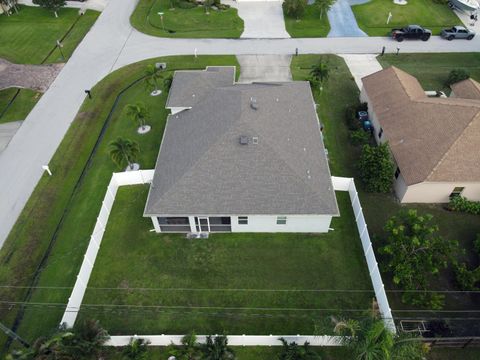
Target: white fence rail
{"type": "Point", "coordinates": [347, 184]}
{"type": "Point", "coordinates": [233, 340]}
{"type": "Point", "coordinates": [118, 179]}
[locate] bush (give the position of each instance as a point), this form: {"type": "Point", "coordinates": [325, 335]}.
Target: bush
{"type": "Point", "coordinates": [351, 118]}
{"type": "Point", "coordinates": [294, 8]}
{"type": "Point", "coordinates": [376, 168]}
{"type": "Point", "coordinates": [457, 75]}
{"type": "Point", "coordinates": [185, 4]}
{"type": "Point", "coordinates": [459, 203]}
{"type": "Point", "coordinates": [466, 279]}
{"type": "Point", "coordinates": [359, 137]}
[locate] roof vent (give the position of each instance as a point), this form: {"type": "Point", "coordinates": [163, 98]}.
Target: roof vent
{"type": "Point", "coordinates": [253, 103]}
{"type": "Point", "coordinates": [243, 140]}
{"type": "Point", "coordinates": [255, 140]}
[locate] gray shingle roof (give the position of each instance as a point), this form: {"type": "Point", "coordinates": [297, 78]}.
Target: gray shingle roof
{"type": "Point", "coordinates": [202, 169]}
{"type": "Point", "coordinates": [190, 87]}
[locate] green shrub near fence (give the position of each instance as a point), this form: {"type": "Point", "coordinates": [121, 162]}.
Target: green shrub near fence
{"type": "Point", "coordinates": [462, 204]}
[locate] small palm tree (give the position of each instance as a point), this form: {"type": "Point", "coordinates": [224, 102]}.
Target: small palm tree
{"type": "Point", "coordinates": [320, 73]}
{"type": "Point", "coordinates": [293, 351]}
{"type": "Point", "coordinates": [139, 113]}
{"type": "Point", "coordinates": [152, 75]}
{"type": "Point", "coordinates": [136, 350]}
{"type": "Point", "coordinates": [90, 336]}
{"type": "Point", "coordinates": [217, 349]}
{"type": "Point", "coordinates": [124, 152]}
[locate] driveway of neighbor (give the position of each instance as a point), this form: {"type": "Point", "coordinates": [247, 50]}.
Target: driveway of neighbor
{"type": "Point", "coordinates": [342, 20]}
{"type": "Point", "coordinates": [361, 66]}
{"type": "Point", "coordinates": [262, 19]}
{"type": "Point", "coordinates": [264, 68]}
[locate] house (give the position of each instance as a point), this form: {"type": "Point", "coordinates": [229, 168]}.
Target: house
{"type": "Point", "coordinates": [434, 141]}
{"type": "Point", "coordinates": [240, 158]}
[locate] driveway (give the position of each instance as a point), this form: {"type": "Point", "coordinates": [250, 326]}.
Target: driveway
{"type": "Point", "coordinates": [342, 20]}
{"type": "Point", "coordinates": [262, 19]}
{"type": "Point", "coordinates": [264, 68]}
{"type": "Point", "coordinates": [361, 66]}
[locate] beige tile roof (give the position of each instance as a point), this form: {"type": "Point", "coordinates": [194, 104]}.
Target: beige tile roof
{"type": "Point", "coordinates": [467, 89]}
{"type": "Point", "coordinates": [431, 139]}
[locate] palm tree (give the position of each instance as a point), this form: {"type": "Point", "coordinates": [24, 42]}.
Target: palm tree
{"type": "Point", "coordinates": [370, 339]}
{"type": "Point", "coordinates": [323, 6]}
{"type": "Point", "coordinates": [136, 350]}
{"type": "Point", "coordinates": [90, 336]}
{"type": "Point", "coordinates": [167, 82]}
{"type": "Point", "coordinates": [293, 351]}
{"type": "Point", "coordinates": [124, 152]}
{"type": "Point", "coordinates": [319, 73]}
{"type": "Point", "coordinates": [217, 349]}
{"type": "Point", "coordinates": [139, 113]}
{"type": "Point", "coordinates": [45, 348]}
{"type": "Point", "coordinates": [152, 75]}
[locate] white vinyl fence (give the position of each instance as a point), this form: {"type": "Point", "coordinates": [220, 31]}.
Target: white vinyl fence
{"type": "Point", "coordinates": [146, 176]}
{"type": "Point", "coordinates": [347, 184]}
{"type": "Point", "coordinates": [233, 340]}
{"type": "Point", "coordinates": [118, 179]}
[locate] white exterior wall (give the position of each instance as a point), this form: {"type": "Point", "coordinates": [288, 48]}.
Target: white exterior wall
{"type": "Point", "coordinates": [430, 192]}
{"type": "Point", "coordinates": [295, 224]}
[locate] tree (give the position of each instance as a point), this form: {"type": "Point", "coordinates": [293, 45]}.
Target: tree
{"type": "Point", "coordinates": [139, 113]}
{"type": "Point", "coordinates": [376, 168]}
{"type": "Point", "coordinates": [415, 251]}
{"type": "Point", "coordinates": [52, 5]}
{"type": "Point", "coordinates": [292, 351]}
{"type": "Point", "coordinates": [136, 350]}
{"type": "Point", "coordinates": [369, 339]}
{"type": "Point", "coordinates": [323, 6]}
{"type": "Point", "coordinates": [190, 349]}
{"type": "Point", "coordinates": [217, 348]}
{"type": "Point", "coordinates": [294, 8]}
{"type": "Point", "coordinates": [152, 75]}
{"type": "Point", "coordinates": [457, 75]}
{"type": "Point", "coordinates": [124, 152]}
{"type": "Point", "coordinates": [83, 341]}
{"type": "Point", "coordinates": [319, 73]}
{"type": "Point", "coordinates": [7, 5]}
{"type": "Point", "coordinates": [207, 4]}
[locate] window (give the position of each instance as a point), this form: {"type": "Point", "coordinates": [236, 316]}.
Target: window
{"type": "Point", "coordinates": [456, 191]}
{"type": "Point", "coordinates": [397, 173]}
{"type": "Point", "coordinates": [281, 220]}
{"type": "Point", "coordinates": [243, 220]}
{"type": "Point", "coordinates": [380, 133]}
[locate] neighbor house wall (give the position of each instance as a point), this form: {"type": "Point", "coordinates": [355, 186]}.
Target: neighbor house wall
{"type": "Point", "coordinates": [295, 223]}
{"type": "Point", "coordinates": [430, 192]}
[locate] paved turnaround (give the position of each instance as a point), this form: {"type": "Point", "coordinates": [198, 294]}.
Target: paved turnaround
{"type": "Point", "coordinates": [111, 44]}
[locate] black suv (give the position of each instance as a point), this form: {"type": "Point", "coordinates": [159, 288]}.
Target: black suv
{"type": "Point", "coordinates": [411, 32]}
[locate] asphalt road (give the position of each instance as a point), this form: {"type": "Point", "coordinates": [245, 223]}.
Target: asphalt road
{"type": "Point", "coordinates": [111, 44]}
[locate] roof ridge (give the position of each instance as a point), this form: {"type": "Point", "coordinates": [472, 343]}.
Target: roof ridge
{"type": "Point", "coordinates": [396, 72]}
{"type": "Point", "coordinates": [477, 115]}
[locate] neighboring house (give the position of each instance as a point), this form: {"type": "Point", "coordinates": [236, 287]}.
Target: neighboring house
{"type": "Point", "coordinates": [240, 158]}
{"type": "Point", "coordinates": [435, 141]}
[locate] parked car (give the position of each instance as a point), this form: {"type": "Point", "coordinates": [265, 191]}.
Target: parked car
{"type": "Point", "coordinates": [411, 32]}
{"type": "Point", "coordinates": [457, 32]}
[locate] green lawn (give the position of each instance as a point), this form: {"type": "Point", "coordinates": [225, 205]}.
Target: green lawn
{"type": "Point", "coordinates": [372, 16]}
{"type": "Point", "coordinates": [27, 241]}
{"type": "Point", "coordinates": [20, 107]}
{"type": "Point", "coordinates": [29, 36]}
{"type": "Point", "coordinates": [185, 23]}
{"type": "Point", "coordinates": [432, 69]}
{"type": "Point", "coordinates": [310, 25]}
{"type": "Point", "coordinates": [132, 257]}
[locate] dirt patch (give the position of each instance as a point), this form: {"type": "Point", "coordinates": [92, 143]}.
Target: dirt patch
{"type": "Point", "coordinates": [35, 77]}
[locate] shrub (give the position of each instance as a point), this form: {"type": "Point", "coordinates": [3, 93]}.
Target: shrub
{"type": "Point", "coordinates": [351, 118]}
{"type": "Point", "coordinates": [294, 8]}
{"type": "Point", "coordinates": [185, 4]}
{"type": "Point", "coordinates": [359, 137]}
{"type": "Point", "coordinates": [459, 203]}
{"type": "Point", "coordinates": [457, 75]}
{"type": "Point", "coordinates": [376, 168]}
{"type": "Point", "coordinates": [466, 279]}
